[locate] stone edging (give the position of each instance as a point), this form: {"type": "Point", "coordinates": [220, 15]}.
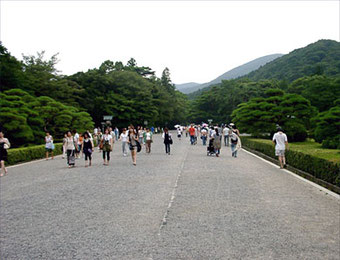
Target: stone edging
{"type": "Point", "coordinates": [301, 173]}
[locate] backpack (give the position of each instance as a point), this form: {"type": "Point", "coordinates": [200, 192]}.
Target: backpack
{"type": "Point", "coordinates": [233, 138]}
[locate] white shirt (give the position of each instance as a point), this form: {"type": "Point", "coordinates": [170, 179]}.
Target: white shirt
{"type": "Point", "coordinates": [280, 139]}
{"type": "Point", "coordinates": [148, 136]}
{"type": "Point", "coordinates": [76, 137]}
{"type": "Point", "coordinates": [226, 131]}
{"type": "Point", "coordinates": [107, 138]}
{"type": "Point", "coordinates": [124, 137]}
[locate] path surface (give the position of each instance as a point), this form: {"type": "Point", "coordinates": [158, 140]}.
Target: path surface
{"type": "Point", "coordinates": [222, 208]}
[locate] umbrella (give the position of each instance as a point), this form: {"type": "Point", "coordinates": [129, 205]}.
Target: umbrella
{"type": "Point", "coordinates": [176, 126]}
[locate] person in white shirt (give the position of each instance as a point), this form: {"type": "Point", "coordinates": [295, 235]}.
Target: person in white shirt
{"type": "Point", "coordinates": [124, 138]}
{"type": "Point", "coordinates": [281, 144]}
{"type": "Point", "coordinates": [107, 143]}
{"type": "Point", "coordinates": [78, 143]}
{"type": "Point", "coordinates": [226, 136]}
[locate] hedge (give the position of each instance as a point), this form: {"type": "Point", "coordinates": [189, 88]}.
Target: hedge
{"type": "Point", "coordinates": [319, 168]}
{"type": "Point", "coordinates": [18, 155]}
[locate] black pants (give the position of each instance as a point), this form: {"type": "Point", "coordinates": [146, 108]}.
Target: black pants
{"type": "Point", "coordinates": [68, 154]}
{"type": "Point", "coordinates": [88, 155]}
{"type": "Point", "coordinates": [107, 155]}
{"type": "Point", "coordinates": [167, 148]}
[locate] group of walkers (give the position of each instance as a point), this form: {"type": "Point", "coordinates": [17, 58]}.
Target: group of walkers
{"type": "Point", "coordinates": [213, 135]}
{"type": "Point", "coordinates": [77, 145]}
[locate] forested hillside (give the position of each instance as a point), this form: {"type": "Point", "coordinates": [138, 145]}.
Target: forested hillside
{"type": "Point", "coordinates": [234, 73]}
{"type": "Point", "coordinates": [35, 98]}
{"type": "Point", "coordinates": [304, 99]}
{"type": "Point", "coordinates": [319, 58]}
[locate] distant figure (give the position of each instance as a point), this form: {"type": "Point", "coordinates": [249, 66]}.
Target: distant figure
{"type": "Point", "coordinates": [87, 148]}
{"type": "Point", "coordinates": [226, 135]}
{"type": "Point", "coordinates": [204, 135]}
{"type": "Point", "coordinates": [116, 133]}
{"type": "Point", "coordinates": [140, 135]}
{"type": "Point", "coordinates": [192, 134]}
{"type": "Point", "coordinates": [124, 138]}
{"type": "Point", "coordinates": [133, 139]}
{"type": "Point", "coordinates": [148, 140]}
{"type": "Point", "coordinates": [217, 142]}
{"type": "Point", "coordinates": [235, 142]}
{"type": "Point", "coordinates": [64, 145]}
{"type": "Point", "coordinates": [49, 145]}
{"type": "Point", "coordinates": [107, 144]}
{"type": "Point", "coordinates": [167, 140]}
{"type": "Point", "coordinates": [4, 146]}
{"type": "Point", "coordinates": [78, 143]}
{"type": "Point", "coordinates": [281, 143]}
{"type": "Point", "coordinates": [179, 133]}
{"type": "Point", "coordinates": [71, 146]}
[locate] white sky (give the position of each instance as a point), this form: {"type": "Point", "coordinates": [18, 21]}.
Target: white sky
{"type": "Point", "coordinates": [196, 40]}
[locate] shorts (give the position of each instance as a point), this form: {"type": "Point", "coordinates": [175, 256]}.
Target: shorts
{"type": "Point", "coordinates": [48, 150]}
{"type": "Point", "coordinates": [279, 152]}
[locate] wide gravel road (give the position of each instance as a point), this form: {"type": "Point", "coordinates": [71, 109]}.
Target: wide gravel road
{"type": "Point", "coordinates": [183, 206]}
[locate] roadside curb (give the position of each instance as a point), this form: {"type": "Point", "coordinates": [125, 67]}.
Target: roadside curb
{"type": "Point", "coordinates": [322, 185]}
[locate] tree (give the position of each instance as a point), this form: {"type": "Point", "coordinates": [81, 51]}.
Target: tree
{"type": "Point", "coordinates": [261, 116]}
{"type": "Point", "coordinates": [327, 129]}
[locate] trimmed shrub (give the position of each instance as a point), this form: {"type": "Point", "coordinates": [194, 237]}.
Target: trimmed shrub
{"type": "Point", "coordinates": [319, 168]}
{"type": "Point", "coordinates": [27, 154]}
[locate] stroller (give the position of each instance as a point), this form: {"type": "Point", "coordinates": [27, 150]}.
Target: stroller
{"type": "Point", "coordinates": [210, 148]}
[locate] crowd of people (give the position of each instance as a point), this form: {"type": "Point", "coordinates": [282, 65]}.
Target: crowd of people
{"type": "Point", "coordinates": [76, 146]}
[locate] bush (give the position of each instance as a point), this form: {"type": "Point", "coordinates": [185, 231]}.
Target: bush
{"type": "Point", "coordinates": [319, 168]}
{"type": "Point", "coordinates": [26, 154]}
{"type": "Point", "coordinates": [332, 143]}
{"type": "Point", "coordinates": [296, 132]}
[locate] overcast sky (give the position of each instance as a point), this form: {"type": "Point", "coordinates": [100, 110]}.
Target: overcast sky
{"type": "Point", "coordinates": [196, 40]}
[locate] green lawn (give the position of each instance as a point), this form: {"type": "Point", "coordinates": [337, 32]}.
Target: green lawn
{"type": "Point", "coordinates": [311, 148]}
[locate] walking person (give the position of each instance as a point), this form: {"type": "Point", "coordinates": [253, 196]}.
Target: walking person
{"type": "Point", "coordinates": [140, 135]}
{"type": "Point", "coordinates": [167, 140]}
{"type": "Point", "coordinates": [235, 142]}
{"type": "Point", "coordinates": [116, 133]}
{"type": "Point", "coordinates": [4, 146]}
{"type": "Point", "coordinates": [124, 139]}
{"type": "Point", "coordinates": [226, 135]}
{"type": "Point", "coordinates": [217, 142]}
{"type": "Point", "coordinates": [71, 147]}
{"type": "Point", "coordinates": [204, 135]}
{"type": "Point", "coordinates": [78, 144]}
{"type": "Point", "coordinates": [179, 133]}
{"type": "Point", "coordinates": [64, 145]}
{"type": "Point", "coordinates": [107, 144]}
{"type": "Point", "coordinates": [133, 139]}
{"type": "Point", "coordinates": [49, 146]}
{"type": "Point", "coordinates": [148, 140]}
{"type": "Point", "coordinates": [281, 144]}
{"type": "Point", "coordinates": [87, 148]}
{"type": "Point", "coordinates": [192, 134]}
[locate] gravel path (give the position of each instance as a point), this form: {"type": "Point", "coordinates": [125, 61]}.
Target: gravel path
{"type": "Point", "coordinates": [182, 206]}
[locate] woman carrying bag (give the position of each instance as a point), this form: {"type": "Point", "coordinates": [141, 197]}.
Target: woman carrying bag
{"type": "Point", "coordinates": [133, 144]}
{"type": "Point", "coordinates": [87, 148]}
{"type": "Point", "coordinates": [167, 140]}
{"type": "Point", "coordinates": [106, 144]}
{"type": "Point", "coordinates": [70, 149]}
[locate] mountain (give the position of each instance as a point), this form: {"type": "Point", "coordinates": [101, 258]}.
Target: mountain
{"type": "Point", "coordinates": [321, 57]}
{"type": "Point", "coordinates": [187, 85]}
{"type": "Point", "coordinates": [231, 74]}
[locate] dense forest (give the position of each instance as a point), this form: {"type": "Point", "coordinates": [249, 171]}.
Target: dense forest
{"type": "Point", "coordinates": [297, 91]}
{"type": "Point", "coordinates": [35, 98]}
{"type": "Point", "coordinates": [279, 93]}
